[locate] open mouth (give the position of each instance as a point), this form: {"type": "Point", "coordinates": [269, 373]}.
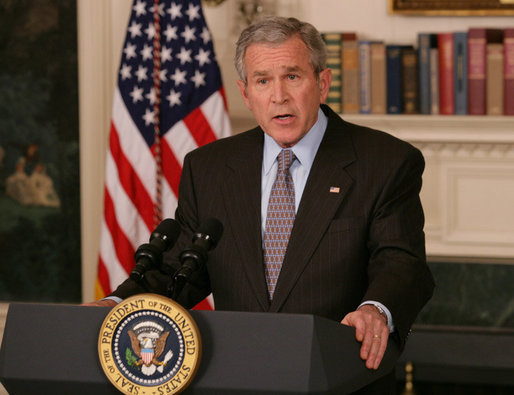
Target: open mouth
{"type": "Point", "coordinates": [283, 116]}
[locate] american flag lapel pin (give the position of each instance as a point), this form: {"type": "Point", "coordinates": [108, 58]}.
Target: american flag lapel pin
{"type": "Point", "coordinates": [335, 189]}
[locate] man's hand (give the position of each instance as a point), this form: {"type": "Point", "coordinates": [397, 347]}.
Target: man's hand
{"type": "Point", "coordinates": [372, 331]}
{"type": "Point", "coordinates": [101, 303]}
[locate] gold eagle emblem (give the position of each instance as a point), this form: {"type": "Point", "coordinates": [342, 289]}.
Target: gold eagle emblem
{"type": "Point", "coordinates": [147, 343]}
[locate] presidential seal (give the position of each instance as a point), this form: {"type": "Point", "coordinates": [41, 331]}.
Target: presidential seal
{"type": "Point", "coordinates": [149, 344]}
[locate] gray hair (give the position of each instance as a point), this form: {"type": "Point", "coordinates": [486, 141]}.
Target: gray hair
{"type": "Point", "coordinates": [275, 30]}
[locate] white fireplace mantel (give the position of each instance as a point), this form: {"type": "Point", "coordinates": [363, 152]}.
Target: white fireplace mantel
{"type": "Point", "coordinates": [442, 129]}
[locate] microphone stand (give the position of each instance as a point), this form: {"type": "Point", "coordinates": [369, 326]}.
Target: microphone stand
{"type": "Point", "coordinates": [175, 288]}
{"type": "Point", "coordinates": [172, 290]}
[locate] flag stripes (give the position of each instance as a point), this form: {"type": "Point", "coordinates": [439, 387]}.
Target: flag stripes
{"type": "Point", "coordinates": [196, 121]}
{"type": "Point", "coordinates": [173, 166]}
{"type": "Point", "coordinates": [130, 181]}
{"type": "Point", "coordinates": [124, 250]}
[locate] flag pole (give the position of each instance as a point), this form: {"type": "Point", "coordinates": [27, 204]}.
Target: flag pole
{"type": "Point", "coordinates": [157, 104]}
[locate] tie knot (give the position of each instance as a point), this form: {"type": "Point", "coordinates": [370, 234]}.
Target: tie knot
{"type": "Point", "coordinates": [285, 159]}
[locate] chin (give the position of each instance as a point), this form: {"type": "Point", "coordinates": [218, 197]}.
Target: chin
{"type": "Point", "coordinates": [286, 143]}
{"type": "Point", "coordinates": [284, 137]}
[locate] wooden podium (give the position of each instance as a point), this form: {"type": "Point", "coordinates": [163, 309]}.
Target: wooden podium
{"type": "Point", "coordinates": [52, 349]}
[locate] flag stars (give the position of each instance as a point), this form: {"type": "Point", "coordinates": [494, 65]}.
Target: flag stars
{"type": "Point", "coordinates": [198, 79]}
{"type": "Point", "coordinates": [141, 73]}
{"type": "Point", "coordinates": [179, 77]}
{"type": "Point", "coordinates": [150, 31]}
{"type": "Point", "coordinates": [184, 56]}
{"type": "Point", "coordinates": [151, 96]}
{"type": "Point", "coordinates": [188, 34]}
{"type": "Point", "coordinates": [193, 12]}
{"type": "Point", "coordinates": [139, 8]}
{"type": "Point", "coordinates": [162, 75]}
{"type": "Point", "coordinates": [174, 98]}
{"type": "Point", "coordinates": [137, 94]}
{"type": "Point", "coordinates": [125, 72]}
{"type": "Point", "coordinates": [175, 11]}
{"type": "Point", "coordinates": [134, 29]}
{"type": "Point", "coordinates": [161, 9]}
{"type": "Point", "coordinates": [171, 33]}
{"type": "Point", "coordinates": [203, 57]}
{"type": "Point", "coordinates": [149, 117]}
{"type": "Point", "coordinates": [165, 54]}
{"type": "Point", "coordinates": [205, 35]}
{"type": "Point", "coordinates": [130, 51]}
{"type": "Point", "coordinates": [146, 52]}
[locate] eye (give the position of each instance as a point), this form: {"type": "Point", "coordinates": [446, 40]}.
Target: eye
{"type": "Point", "coordinates": [292, 77]}
{"type": "Point", "coordinates": [262, 81]}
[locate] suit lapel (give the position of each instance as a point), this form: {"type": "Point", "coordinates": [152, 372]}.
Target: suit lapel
{"type": "Point", "coordinates": [241, 194]}
{"type": "Point", "coordinates": [318, 205]}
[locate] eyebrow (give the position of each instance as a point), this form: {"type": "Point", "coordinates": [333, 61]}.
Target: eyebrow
{"type": "Point", "coordinates": [262, 73]}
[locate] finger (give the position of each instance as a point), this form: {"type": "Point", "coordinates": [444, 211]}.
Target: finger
{"type": "Point", "coordinates": [368, 341]}
{"type": "Point", "coordinates": [377, 348]}
{"type": "Point", "coordinates": [360, 329]}
{"type": "Point", "coordinates": [367, 345]}
{"type": "Point", "coordinates": [373, 342]}
{"type": "Point", "coordinates": [382, 348]}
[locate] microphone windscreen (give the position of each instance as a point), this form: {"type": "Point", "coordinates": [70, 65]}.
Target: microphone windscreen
{"type": "Point", "coordinates": [168, 231]}
{"type": "Point", "coordinates": [212, 228]}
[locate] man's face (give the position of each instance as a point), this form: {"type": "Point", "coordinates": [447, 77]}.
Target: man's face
{"type": "Point", "coordinates": [282, 91]}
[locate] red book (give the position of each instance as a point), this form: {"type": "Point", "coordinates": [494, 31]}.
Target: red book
{"type": "Point", "coordinates": [446, 74]}
{"type": "Point", "coordinates": [478, 38]}
{"type": "Point", "coordinates": [508, 71]}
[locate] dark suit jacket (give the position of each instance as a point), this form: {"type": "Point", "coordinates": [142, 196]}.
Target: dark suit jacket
{"type": "Point", "coordinates": [364, 242]}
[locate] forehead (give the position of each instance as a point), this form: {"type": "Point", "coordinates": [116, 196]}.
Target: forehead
{"type": "Point", "coordinates": [292, 53]}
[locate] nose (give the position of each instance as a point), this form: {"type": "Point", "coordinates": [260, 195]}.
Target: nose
{"type": "Point", "coordinates": [279, 93]}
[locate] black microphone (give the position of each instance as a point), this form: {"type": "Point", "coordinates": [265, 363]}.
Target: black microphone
{"type": "Point", "coordinates": [149, 255]}
{"type": "Point", "coordinates": [194, 257]}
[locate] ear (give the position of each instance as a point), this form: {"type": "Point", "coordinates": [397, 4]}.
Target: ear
{"type": "Point", "coordinates": [242, 88]}
{"type": "Point", "coordinates": [325, 79]}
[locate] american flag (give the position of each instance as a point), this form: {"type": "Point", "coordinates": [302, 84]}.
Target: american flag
{"type": "Point", "coordinates": [168, 101]}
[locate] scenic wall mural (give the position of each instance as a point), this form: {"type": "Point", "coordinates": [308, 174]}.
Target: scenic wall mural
{"type": "Point", "coordinates": [39, 152]}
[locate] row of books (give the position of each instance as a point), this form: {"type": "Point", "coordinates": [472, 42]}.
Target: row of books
{"type": "Point", "coordinates": [466, 72]}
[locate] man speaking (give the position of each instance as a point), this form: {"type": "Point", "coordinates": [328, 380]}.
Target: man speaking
{"type": "Point", "coordinates": [320, 216]}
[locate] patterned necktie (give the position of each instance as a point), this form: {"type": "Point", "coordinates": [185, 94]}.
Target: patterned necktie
{"type": "Point", "coordinates": [279, 220]}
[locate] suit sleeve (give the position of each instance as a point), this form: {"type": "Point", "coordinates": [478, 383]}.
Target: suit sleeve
{"type": "Point", "coordinates": [198, 287]}
{"type": "Point", "coordinates": [397, 272]}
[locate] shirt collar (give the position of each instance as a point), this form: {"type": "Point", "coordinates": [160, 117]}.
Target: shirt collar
{"type": "Point", "coordinates": [304, 150]}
